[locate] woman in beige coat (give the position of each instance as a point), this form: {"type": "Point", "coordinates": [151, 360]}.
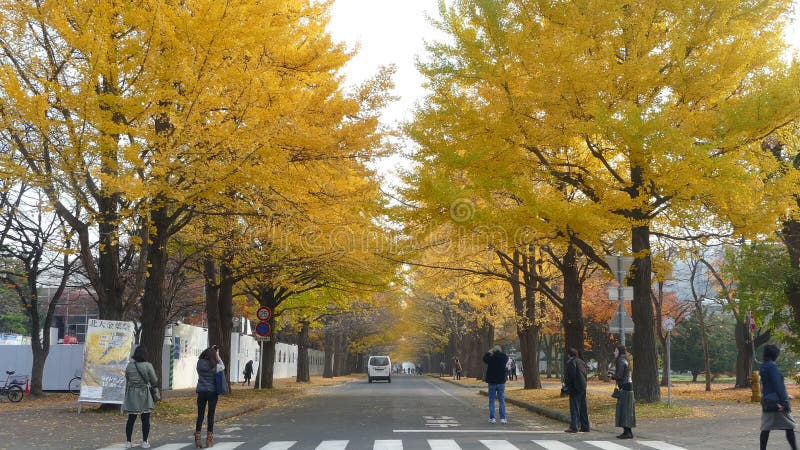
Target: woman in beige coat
{"type": "Point", "coordinates": [139, 376]}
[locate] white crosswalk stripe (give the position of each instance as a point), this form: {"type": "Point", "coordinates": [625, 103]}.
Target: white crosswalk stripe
{"type": "Point", "coordinates": [499, 445]}
{"type": "Point", "coordinates": [225, 445]}
{"type": "Point", "coordinates": [443, 444]}
{"type": "Point", "coordinates": [332, 445]}
{"type": "Point", "coordinates": [660, 445]}
{"type": "Point", "coordinates": [388, 445]}
{"type": "Point", "coordinates": [553, 445]}
{"type": "Point", "coordinates": [278, 445]}
{"type": "Point", "coordinates": [607, 445]}
{"type": "Point", "coordinates": [435, 444]}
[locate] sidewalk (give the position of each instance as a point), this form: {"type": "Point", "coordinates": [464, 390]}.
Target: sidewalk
{"type": "Point", "coordinates": [706, 424]}
{"type": "Point", "coordinates": [53, 421]}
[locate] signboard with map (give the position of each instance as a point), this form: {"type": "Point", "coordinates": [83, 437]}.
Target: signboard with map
{"type": "Point", "coordinates": [105, 356]}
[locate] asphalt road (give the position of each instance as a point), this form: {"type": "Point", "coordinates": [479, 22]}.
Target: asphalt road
{"type": "Point", "coordinates": [412, 412]}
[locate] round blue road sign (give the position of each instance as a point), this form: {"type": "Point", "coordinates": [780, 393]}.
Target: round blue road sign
{"type": "Point", "coordinates": [262, 329]}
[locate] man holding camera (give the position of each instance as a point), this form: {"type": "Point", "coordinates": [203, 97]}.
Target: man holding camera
{"type": "Point", "coordinates": [495, 361]}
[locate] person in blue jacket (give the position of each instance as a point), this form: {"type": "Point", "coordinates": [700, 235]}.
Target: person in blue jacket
{"type": "Point", "coordinates": [772, 383]}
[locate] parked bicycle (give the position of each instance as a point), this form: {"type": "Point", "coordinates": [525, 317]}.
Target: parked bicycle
{"type": "Point", "coordinates": [13, 392]}
{"type": "Point", "coordinates": [74, 385]}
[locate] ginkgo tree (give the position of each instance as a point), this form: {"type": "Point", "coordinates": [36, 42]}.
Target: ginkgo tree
{"type": "Point", "coordinates": [604, 118]}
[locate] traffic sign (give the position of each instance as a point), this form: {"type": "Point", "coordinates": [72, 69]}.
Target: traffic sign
{"type": "Point", "coordinates": [264, 313]}
{"type": "Point", "coordinates": [262, 329]}
{"type": "Point", "coordinates": [627, 323]}
{"type": "Point", "coordinates": [668, 324]}
{"type": "Point", "coordinates": [626, 291]}
{"type": "Point", "coordinates": [620, 265]}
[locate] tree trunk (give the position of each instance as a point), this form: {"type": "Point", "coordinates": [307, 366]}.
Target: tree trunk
{"type": "Point", "coordinates": [154, 314]}
{"type": "Point", "coordinates": [225, 316]}
{"type": "Point", "coordinates": [791, 239]}
{"type": "Point", "coordinates": [645, 362]}
{"type": "Point", "coordinates": [704, 345]}
{"type": "Point", "coordinates": [303, 373]}
{"type": "Point", "coordinates": [327, 371]}
{"type": "Point", "coordinates": [572, 314]}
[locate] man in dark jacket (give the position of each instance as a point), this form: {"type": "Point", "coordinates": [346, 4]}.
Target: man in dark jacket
{"type": "Point", "coordinates": [575, 385]}
{"type": "Point", "coordinates": [495, 361]}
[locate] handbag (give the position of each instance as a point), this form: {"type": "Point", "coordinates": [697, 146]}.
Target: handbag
{"type": "Point", "coordinates": [220, 383]}
{"type": "Point", "coordinates": [155, 393]}
{"type": "Point", "coordinates": [615, 394]}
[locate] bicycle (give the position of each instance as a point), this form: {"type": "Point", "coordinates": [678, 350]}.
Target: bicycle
{"type": "Point", "coordinates": [13, 392]}
{"type": "Point", "coordinates": [74, 385]}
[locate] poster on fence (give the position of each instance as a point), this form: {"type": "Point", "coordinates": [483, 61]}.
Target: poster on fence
{"type": "Point", "coordinates": [105, 356]}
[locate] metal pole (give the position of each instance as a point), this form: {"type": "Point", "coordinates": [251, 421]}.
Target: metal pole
{"type": "Point", "coordinates": [621, 298]}
{"type": "Point", "coordinates": [260, 365]}
{"type": "Point", "coordinates": [669, 377]}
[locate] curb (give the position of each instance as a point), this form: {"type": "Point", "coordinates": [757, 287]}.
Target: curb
{"type": "Point", "coordinates": [537, 409]}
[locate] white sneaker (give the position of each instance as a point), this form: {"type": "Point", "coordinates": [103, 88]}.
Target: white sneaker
{"type": "Point", "coordinates": [503, 421]}
{"type": "Point", "coordinates": [128, 445]}
{"type": "Point", "coordinates": [491, 420]}
{"type": "Point", "coordinates": [145, 444]}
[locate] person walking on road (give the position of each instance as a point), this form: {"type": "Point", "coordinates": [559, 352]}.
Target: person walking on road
{"type": "Point", "coordinates": [457, 365]}
{"type": "Point", "coordinates": [772, 385]}
{"type": "Point", "coordinates": [248, 372]}
{"type": "Point", "coordinates": [139, 376]}
{"type": "Point", "coordinates": [495, 361]}
{"type": "Point", "coordinates": [509, 365]}
{"type": "Point", "coordinates": [626, 406]}
{"type": "Point", "coordinates": [575, 384]}
{"type": "Point", "coordinates": [441, 369]}
{"type": "Point", "coordinates": [208, 364]}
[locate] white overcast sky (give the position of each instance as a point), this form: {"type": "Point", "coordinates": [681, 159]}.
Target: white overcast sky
{"type": "Point", "coordinates": [392, 32]}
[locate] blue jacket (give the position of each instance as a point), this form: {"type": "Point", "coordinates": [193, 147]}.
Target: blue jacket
{"type": "Point", "coordinates": [206, 376]}
{"type": "Point", "coordinates": [772, 381]}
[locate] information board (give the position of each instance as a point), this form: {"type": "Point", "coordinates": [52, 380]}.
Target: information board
{"type": "Point", "coordinates": [105, 357]}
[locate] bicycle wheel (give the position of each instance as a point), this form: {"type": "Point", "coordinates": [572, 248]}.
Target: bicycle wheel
{"type": "Point", "coordinates": [15, 393]}
{"type": "Point", "coordinates": [75, 386]}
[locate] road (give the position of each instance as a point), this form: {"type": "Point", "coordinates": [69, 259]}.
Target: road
{"type": "Point", "coordinates": [412, 412]}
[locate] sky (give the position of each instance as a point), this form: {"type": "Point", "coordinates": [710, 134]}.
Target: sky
{"type": "Point", "coordinates": [393, 32]}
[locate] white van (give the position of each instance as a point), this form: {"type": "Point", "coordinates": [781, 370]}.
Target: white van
{"type": "Point", "coordinates": [379, 368]}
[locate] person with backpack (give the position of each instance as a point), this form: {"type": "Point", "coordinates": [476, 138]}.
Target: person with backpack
{"type": "Point", "coordinates": [575, 386]}
{"type": "Point", "coordinates": [208, 364]}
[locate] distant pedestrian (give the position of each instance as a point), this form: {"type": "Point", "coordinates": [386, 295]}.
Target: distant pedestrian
{"type": "Point", "coordinates": [514, 370]}
{"type": "Point", "coordinates": [575, 385]}
{"type": "Point", "coordinates": [458, 368]}
{"type": "Point", "coordinates": [248, 372]}
{"type": "Point", "coordinates": [772, 385]}
{"type": "Point", "coordinates": [509, 365]}
{"type": "Point", "coordinates": [208, 364]}
{"type": "Point", "coordinates": [495, 361]}
{"type": "Point", "coordinates": [626, 405]}
{"type": "Point", "coordinates": [441, 369]}
{"type": "Point", "coordinates": [139, 376]}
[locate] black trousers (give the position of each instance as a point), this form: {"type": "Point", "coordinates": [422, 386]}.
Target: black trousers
{"type": "Point", "coordinates": [145, 426]}
{"type": "Point", "coordinates": [203, 399]}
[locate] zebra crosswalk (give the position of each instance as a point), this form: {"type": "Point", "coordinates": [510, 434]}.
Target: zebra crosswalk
{"type": "Point", "coordinates": [434, 444]}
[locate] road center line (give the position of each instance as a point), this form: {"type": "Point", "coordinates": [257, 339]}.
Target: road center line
{"type": "Point", "coordinates": [494, 430]}
{"type": "Point", "coordinates": [463, 402]}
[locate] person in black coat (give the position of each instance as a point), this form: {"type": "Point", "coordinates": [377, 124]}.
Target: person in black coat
{"type": "Point", "coordinates": [495, 361]}
{"type": "Point", "coordinates": [575, 385]}
{"type": "Point", "coordinates": [248, 372]}
{"type": "Point", "coordinates": [208, 364]}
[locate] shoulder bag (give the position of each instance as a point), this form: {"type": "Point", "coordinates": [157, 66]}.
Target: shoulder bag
{"type": "Point", "coordinates": [155, 394]}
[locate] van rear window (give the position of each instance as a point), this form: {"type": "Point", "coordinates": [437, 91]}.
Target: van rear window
{"type": "Point", "coordinates": [379, 361]}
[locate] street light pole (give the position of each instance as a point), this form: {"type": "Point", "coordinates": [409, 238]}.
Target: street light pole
{"type": "Point", "coordinates": [621, 298]}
